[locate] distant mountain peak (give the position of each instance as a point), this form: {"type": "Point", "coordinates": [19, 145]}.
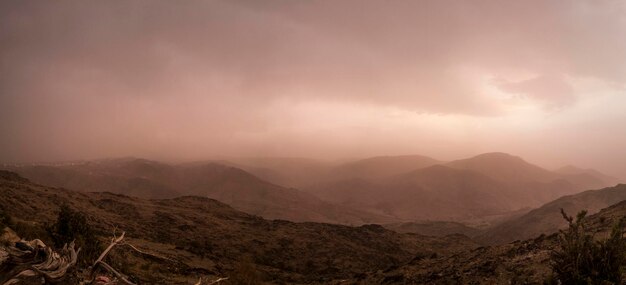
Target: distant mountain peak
{"type": "Point", "coordinates": [571, 169]}
{"type": "Point", "coordinates": [505, 167]}
{"type": "Point", "coordinates": [574, 170]}
{"type": "Point", "coordinates": [498, 156]}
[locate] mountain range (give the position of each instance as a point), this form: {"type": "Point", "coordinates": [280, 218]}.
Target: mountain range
{"type": "Point", "coordinates": [154, 180]}
{"type": "Point", "coordinates": [487, 185]}
{"type": "Point", "coordinates": [385, 189]}
{"type": "Point", "coordinates": [198, 236]}
{"type": "Point", "coordinates": [486, 219]}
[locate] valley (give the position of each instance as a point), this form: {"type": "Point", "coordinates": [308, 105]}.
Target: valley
{"type": "Point", "coordinates": [209, 218]}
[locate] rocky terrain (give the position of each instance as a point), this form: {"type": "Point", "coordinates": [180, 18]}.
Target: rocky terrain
{"type": "Point", "coordinates": [521, 262]}
{"type": "Point", "coordinates": [434, 228]}
{"type": "Point", "coordinates": [204, 237]}
{"type": "Point", "coordinates": [201, 237]}
{"type": "Point", "coordinates": [434, 219]}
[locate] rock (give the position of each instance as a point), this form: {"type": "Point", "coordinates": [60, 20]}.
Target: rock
{"type": "Point", "coordinates": [8, 236]}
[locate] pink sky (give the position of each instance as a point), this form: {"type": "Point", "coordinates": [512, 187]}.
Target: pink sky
{"type": "Point", "coordinates": [190, 80]}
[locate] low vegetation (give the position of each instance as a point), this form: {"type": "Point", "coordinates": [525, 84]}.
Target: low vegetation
{"type": "Point", "coordinates": [71, 226]}
{"type": "Point", "coordinates": [5, 219]}
{"type": "Point", "coordinates": [580, 258]}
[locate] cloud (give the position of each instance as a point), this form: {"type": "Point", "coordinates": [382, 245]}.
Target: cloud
{"type": "Point", "coordinates": [416, 55]}
{"type": "Point", "coordinates": [106, 78]}
{"type": "Point", "coordinates": [553, 92]}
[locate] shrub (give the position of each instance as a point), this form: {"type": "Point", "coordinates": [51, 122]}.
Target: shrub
{"type": "Point", "coordinates": [72, 226]}
{"type": "Point", "coordinates": [579, 259]}
{"type": "Point", "coordinates": [5, 219]}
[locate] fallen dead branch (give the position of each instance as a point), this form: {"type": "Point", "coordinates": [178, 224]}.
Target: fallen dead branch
{"type": "Point", "coordinates": [207, 282]}
{"type": "Point", "coordinates": [32, 262]}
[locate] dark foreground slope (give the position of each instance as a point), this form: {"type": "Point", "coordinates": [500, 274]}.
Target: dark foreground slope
{"type": "Point", "coordinates": [204, 237]}
{"type": "Point", "coordinates": [520, 262]}
{"type": "Point", "coordinates": [433, 228]}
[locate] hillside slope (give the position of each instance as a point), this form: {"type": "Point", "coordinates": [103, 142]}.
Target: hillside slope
{"type": "Point", "coordinates": [479, 190]}
{"type": "Point", "coordinates": [573, 170]}
{"type": "Point", "coordinates": [547, 218]}
{"type": "Point", "coordinates": [205, 237]}
{"type": "Point", "coordinates": [520, 262]}
{"type": "Point", "coordinates": [380, 167]}
{"type": "Point", "coordinates": [536, 180]}
{"type": "Point", "coordinates": [432, 193]}
{"type": "Point", "coordinates": [434, 228]}
{"type": "Point", "coordinates": [285, 171]}
{"type": "Point", "coordinates": [150, 179]}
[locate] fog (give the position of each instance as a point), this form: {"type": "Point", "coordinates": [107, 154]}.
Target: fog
{"type": "Point", "coordinates": [177, 81]}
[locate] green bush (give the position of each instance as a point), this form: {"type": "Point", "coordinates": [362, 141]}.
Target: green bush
{"type": "Point", "coordinates": [72, 226]}
{"type": "Point", "coordinates": [580, 259]}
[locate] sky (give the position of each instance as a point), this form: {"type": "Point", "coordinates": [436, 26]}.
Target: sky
{"type": "Point", "coordinates": [189, 80]}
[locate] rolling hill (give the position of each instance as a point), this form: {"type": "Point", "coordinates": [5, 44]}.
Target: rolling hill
{"type": "Point", "coordinates": [481, 186]}
{"type": "Point", "coordinates": [149, 179]}
{"type": "Point", "coordinates": [284, 171]}
{"type": "Point", "coordinates": [536, 180]}
{"type": "Point", "coordinates": [203, 237]}
{"type": "Point", "coordinates": [547, 219]}
{"type": "Point", "coordinates": [520, 262]}
{"type": "Point", "coordinates": [573, 170]}
{"type": "Point", "coordinates": [432, 193]}
{"type": "Point", "coordinates": [380, 167]}
{"type": "Point", "coordinates": [504, 167]}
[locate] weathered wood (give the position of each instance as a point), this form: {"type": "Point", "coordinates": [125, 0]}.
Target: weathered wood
{"type": "Point", "coordinates": [113, 243]}
{"type": "Point", "coordinates": [115, 272]}
{"type": "Point", "coordinates": [32, 262]}
{"type": "Point", "coordinates": [148, 253]}
{"type": "Point", "coordinates": [218, 280]}
{"type": "Point", "coordinates": [56, 266]}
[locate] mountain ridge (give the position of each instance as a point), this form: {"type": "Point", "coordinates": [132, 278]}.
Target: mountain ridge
{"type": "Point", "coordinates": [150, 179]}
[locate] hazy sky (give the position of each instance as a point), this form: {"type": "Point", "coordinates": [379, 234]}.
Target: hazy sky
{"type": "Point", "coordinates": [182, 80]}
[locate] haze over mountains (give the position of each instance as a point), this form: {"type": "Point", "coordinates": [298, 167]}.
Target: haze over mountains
{"type": "Point", "coordinates": [203, 237]}
{"type": "Point", "coordinates": [150, 179]}
{"type": "Point", "coordinates": [484, 185]}
{"type": "Point", "coordinates": [373, 190]}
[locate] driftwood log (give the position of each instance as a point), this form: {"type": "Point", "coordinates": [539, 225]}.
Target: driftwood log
{"type": "Point", "coordinates": [32, 262]}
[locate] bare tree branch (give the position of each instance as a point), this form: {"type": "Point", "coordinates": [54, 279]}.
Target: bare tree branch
{"type": "Point", "coordinates": [114, 242]}
{"type": "Point", "coordinates": [147, 253]}
{"type": "Point", "coordinates": [115, 272]}
{"type": "Point", "coordinates": [218, 280]}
